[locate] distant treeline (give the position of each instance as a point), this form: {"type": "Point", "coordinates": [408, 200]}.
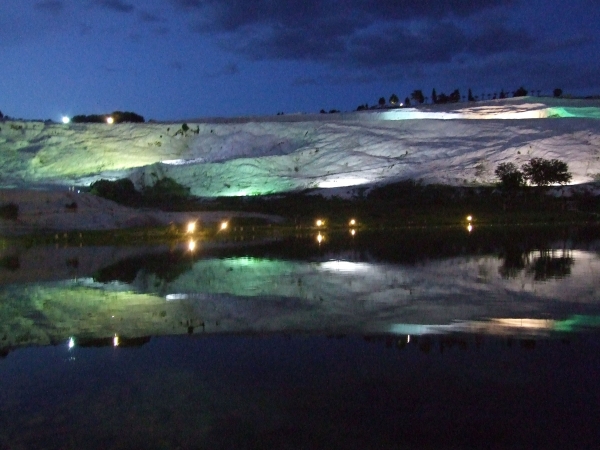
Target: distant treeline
{"type": "Point", "coordinates": [117, 116]}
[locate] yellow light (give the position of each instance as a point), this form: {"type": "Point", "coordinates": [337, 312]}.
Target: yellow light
{"type": "Point", "coordinates": [469, 228]}
{"type": "Point", "coordinates": [110, 120]}
{"type": "Point", "coordinates": [116, 341]}
{"type": "Point", "coordinates": [320, 223]}
{"type": "Point", "coordinates": [469, 218]}
{"type": "Point", "coordinates": [352, 222]}
{"type": "Point", "coordinates": [191, 246]}
{"type": "Point", "coordinates": [191, 227]}
{"type": "Point", "coordinates": [320, 238]}
{"type": "Point", "coordinates": [353, 232]}
{"type": "Point", "coordinates": [224, 225]}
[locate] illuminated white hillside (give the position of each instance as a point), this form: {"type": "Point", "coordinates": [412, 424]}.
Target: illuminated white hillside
{"type": "Point", "coordinates": [248, 156]}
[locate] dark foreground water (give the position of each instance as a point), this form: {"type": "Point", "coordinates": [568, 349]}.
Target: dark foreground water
{"type": "Point", "coordinates": [459, 340]}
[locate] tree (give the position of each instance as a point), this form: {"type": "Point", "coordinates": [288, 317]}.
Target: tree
{"type": "Point", "coordinates": [557, 92]}
{"type": "Point", "coordinates": [502, 94]}
{"type": "Point", "coordinates": [381, 101]}
{"type": "Point", "coordinates": [521, 92]}
{"type": "Point", "coordinates": [394, 99]}
{"type": "Point", "coordinates": [407, 101]}
{"type": "Point", "coordinates": [1, 115]}
{"type": "Point", "coordinates": [470, 96]}
{"type": "Point", "coordinates": [543, 172]}
{"type": "Point", "coordinates": [509, 175]}
{"type": "Point", "coordinates": [417, 96]}
{"type": "Point", "coordinates": [433, 96]}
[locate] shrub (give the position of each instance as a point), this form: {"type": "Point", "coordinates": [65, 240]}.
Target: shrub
{"type": "Point", "coordinates": [9, 211]}
{"type": "Point", "coordinates": [543, 172]}
{"type": "Point", "coordinates": [166, 189]}
{"type": "Point", "coordinates": [121, 191]}
{"type": "Point", "coordinates": [510, 176]}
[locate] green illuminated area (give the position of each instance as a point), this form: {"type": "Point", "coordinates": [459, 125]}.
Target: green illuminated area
{"type": "Point", "coordinates": [567, 112]}
{"type": "Point", "coordinates": [577, 323]}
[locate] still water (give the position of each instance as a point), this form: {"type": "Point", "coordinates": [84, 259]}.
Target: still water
{"type": "Point", "coordinates": [434, 338]}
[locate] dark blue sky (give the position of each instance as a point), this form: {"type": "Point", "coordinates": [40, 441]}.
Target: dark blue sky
{"type": "Point", "coordinates": [174, 59]}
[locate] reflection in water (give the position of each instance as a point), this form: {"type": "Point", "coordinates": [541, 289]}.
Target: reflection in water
{"type": "Point", "coordinates": [343, 287]}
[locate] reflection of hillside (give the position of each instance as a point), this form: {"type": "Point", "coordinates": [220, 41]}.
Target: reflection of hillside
{"type": "Point", "coordinates": [401, 285]}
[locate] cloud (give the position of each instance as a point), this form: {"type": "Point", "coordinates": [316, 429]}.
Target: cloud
{"type": "Point", "coordinates": [148, 17]}
{"type": "Point", "coordinates": [357, 33]}
{"type": "Point", "coordinates": [227, 70]}
{"type": "Point", "coordinates": [115, 5]}
{"type": "Point", "coordinates": [52, 6]}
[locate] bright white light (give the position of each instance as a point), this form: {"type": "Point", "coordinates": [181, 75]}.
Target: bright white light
{"type": "Point", "coordinates": [320, 223]}
{"type": "Point", "coordinates": [346, 266]}
{"type": "Point", "coordinates": [342, 182]}
{"type": "Point", "coordinates": [65, 120]}
{"type": "Point", "coordinates": [173, 297]}
{"type": "Point", "coordinates": [191, 227]}
{"type": "Point", "coordinates": [352, 222]}
{"type": "Point", "coordinates": [469, 228]}
{"type": "Point", "coordinates": [408, 339]}
{"type": "Point", "coordinates": [71, 343]}
{"type": "Point", "coordinates": [191, 246]}
{"type": "Point", "coordinates": [224, 225]}
{"type": "Point", "coordinates": [353, 232]}
{"type": "Point", "coordinates": [320, 238]}
{"type": "Point", "coordinates": [469, 218]}
{"type": "Point", "coordinates": [116, 341]}
{"type": "Point", "coordinates": [110, 120]}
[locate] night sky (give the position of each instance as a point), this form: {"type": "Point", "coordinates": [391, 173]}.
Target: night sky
{"type": "Point", "coordinates": [182, 59]}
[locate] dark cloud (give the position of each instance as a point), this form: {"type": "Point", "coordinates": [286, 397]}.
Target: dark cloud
{"type": "Point", "coordinates": [148, 17]}
{"type": "Point", "coordinates": [227, 70]}
{"type": "Point", "coordinates": [358, 33]}
{"type": "Point", "coordinates": [52, 6]}
{"type": "Point", "coordinates": [115, 5]}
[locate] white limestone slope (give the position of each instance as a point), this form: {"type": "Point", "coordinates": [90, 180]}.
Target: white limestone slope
{"type": "Point", "coordinates": [249, 156]}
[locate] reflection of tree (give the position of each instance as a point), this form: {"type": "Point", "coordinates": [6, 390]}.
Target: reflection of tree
{"type": "Point", "coordinates": [548, 266]}
{"type": "Point", "coordinates": [543, 267]}
{"type": "Point", "coordinates": [514, 262]}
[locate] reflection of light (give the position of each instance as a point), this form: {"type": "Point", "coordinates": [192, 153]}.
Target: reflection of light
{"type": "Point", "coordinates": [116, 341]}
{"type": "Point", "coordinates": [320, 223]}
{"type": "Point", "coordinates": [353, 232]}
{"type": "Point", "coordinates": [469, 228]}
{"type": "Point", "coordinates": [110, 120]}
{"type": "Point", "coordinates": [469, 218]}
{"type": "Point", "coordinates": [320, 238]}
{"type": "Point", "coordinates": [408, 339]}
{"type": "Point", "coordinates": [191, 227]}
{"type": "Point", "coordinates": [346, 266]}
{"type": "Point", "coordinates": [224, 225]}
{"type": "Point", "coordinates": [71, 343]}
{"type": "Point", "coordinates": [191, 246]}
{"type": "Point", "coordinates": [534, 324]}
{"type": "Point", "coordinates": [172, 297]}
{"type": "Point", "coordinates": [352, 222]}
{"type": "Point", "coordinates": [65, 120]}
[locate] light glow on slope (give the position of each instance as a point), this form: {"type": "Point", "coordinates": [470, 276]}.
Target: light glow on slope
{"type": "Point", "coordinates": [342, 182]}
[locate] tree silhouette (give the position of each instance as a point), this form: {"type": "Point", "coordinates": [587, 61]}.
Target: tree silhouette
{"type": "Point", "coordinates": [417, 96]}
{"type": "Point", "coordinates": [382, 101]}
{"type": "Point", "coordinates": [557, 92]}
{"type": "Point", "coordinates": [543, 172]}
{"type": "Point", "coordinates": [434, 98]}
{"type": "Point", "coordinates": [510, 176]}
{"type": "Point", "coordinates": [521, 92]}
{"type": "Point", "coordinates": [394, 99]}
{"type": "Point", "coordinates": [470, 96]}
